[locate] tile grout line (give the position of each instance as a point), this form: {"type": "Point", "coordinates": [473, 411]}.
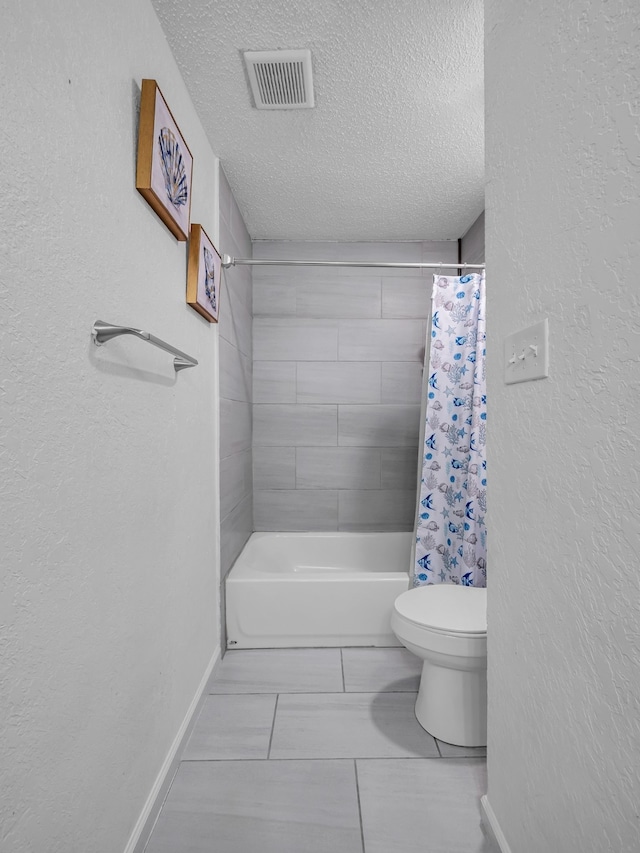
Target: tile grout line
{"type": "Point", "coordinates": [355, 767]}
{"type": "Point", "coordinates": [315, 692]}
{"type": "Point", "coordinates": [476, 758]}
{"type": "Point", "coordinates": [344, 687]}
{"type": "Point", "coordinates": [273, 725]}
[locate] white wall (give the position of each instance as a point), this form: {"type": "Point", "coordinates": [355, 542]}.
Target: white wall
{"type": "Point", "coordinates": [563, 241]}
{"type": "Point", "coordinates": [108, 599]}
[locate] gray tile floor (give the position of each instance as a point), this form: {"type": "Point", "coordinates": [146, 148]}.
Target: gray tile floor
{"type": "Point", "coordinates": [318, 750]}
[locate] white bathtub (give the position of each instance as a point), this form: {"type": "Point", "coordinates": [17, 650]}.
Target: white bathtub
{"type": "Point", "coordinates": [316, 589]}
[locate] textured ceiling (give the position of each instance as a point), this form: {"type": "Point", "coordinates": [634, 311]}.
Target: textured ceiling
{"type": "Point", "coordinates": [394, 147]}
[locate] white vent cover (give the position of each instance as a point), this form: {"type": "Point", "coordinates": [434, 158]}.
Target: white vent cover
{"type": "Point", "coordinates": [280, 79]}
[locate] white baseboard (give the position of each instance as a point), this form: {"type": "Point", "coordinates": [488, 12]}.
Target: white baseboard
{"type": "Point", "coordinates": [492, 827]}
{"type": "Point", "coordinates": [148, 816]}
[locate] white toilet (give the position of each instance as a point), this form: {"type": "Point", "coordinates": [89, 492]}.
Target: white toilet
{"type": "Point", "coordinates": [446, 626]}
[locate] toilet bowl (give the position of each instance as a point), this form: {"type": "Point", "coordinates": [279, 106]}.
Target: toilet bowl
{"type": "Point", "coordinates": [446, 626]}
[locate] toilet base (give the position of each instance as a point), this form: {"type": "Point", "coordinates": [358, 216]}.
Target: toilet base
{"type": "Point", "coordinates": [452, 704]}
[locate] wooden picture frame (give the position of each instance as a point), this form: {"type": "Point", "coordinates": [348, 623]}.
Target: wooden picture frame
{"type": "Point", "coordinates": [204, 270]}
{"type": "Point", "coordinates": [165, 165]}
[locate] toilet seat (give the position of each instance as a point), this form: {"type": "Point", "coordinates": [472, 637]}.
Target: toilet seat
{"type": "Point", "coordinates": [445, 609]}
{"type": "Point", "coordinates": [447, 619]}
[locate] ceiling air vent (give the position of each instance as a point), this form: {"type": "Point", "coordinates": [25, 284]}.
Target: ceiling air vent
{"type": "Point", "coordinates": [280, 79]}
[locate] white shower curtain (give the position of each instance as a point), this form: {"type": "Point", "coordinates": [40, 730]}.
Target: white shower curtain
{"type": "Point", "coordinates": [450, 541]}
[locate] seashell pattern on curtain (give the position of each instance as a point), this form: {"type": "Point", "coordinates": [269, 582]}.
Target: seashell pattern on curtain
{"type": "Point", "coordinates": [451, 536]}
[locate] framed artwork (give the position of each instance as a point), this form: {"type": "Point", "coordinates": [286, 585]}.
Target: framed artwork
{"type": "Point", "coordinates": [203, 275]}
{"type": "Point", "coordinates": [165, 165]}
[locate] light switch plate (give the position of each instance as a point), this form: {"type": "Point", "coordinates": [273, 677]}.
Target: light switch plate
{"type": "Point", "coordinates": [526, 354]}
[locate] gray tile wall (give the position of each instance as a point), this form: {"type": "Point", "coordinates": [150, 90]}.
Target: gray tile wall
{"type": "Point", "coordinates": [336, 385]}
{"type": "Point", "coordinates": [236, 386]}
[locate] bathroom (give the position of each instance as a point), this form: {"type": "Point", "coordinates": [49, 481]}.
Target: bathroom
{"type": "Point", "coordinates": [130, 490]}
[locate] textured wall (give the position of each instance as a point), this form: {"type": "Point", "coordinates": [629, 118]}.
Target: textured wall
{"type": "Point", "coordinates": [563, 242]}
{"type": "Point", "coordinates": [236, 479]}
{"type": "Point", "coordinates": [108, 615]}
{"type": "Point", "coordinates": [338, 356]}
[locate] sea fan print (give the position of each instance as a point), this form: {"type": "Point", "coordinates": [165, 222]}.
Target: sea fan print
{"type": "Point", "coordinates": [428, 542]}
{"type": "Point", "coordinates": [460, 312]}
{"type": "Point", "coordinates": [209, 278]}
{"type": "Point", "coordinates": [173, 168]}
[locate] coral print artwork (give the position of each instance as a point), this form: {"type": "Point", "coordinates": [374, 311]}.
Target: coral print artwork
{"type": "Point", "coordinates": [203, 275]}
{"type": "Point", "coordinates": [165, 164]}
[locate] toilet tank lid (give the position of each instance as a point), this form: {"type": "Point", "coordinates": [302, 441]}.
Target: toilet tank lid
{"type": "Point", "coordinates": [446, 607]}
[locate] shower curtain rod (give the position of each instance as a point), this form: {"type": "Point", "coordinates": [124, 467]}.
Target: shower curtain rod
{"type": "Point", "coordinates": [228, 261]}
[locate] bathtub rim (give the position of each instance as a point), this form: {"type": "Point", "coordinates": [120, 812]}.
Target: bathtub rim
{"type": "Point", "coordinates": [242, 570]}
